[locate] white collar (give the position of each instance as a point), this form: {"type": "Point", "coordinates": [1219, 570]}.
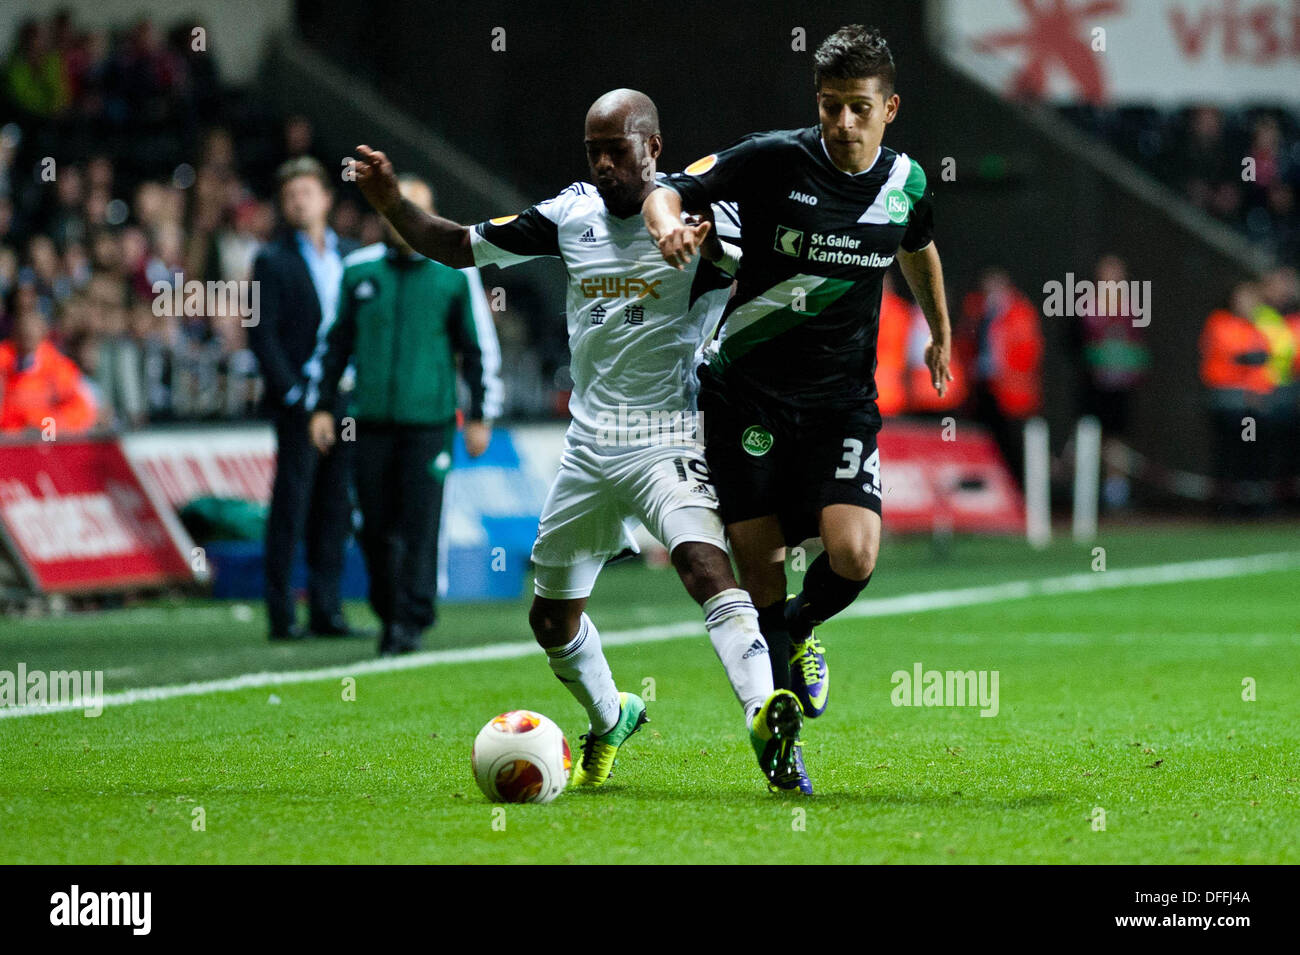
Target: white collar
{"type": "Point", "coordinates": [870, 166]}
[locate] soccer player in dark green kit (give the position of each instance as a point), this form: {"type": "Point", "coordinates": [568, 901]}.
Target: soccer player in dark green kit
{"type": "Point", "coordinates": [788, 395]}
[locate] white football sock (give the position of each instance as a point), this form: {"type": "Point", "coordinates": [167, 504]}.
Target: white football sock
{"type": "Point", "coordinates": [581, 666]}
{"type": "Point", "coordinates": [732, 623]}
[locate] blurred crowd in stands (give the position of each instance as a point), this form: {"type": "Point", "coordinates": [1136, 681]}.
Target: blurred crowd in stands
{"type": "Point", "coordinates": [1241, 166]}
{"type": "Point", "coordinates": [1249, 373]}
{"type": "Point", "coordinates": [125, 162]}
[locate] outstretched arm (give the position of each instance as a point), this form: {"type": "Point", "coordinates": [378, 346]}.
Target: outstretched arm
{"type": "Point", "coordinates": [924, 276]}
{"type": "Point", "coordinates": [432, 236]}
{"type": "Point", "coordinates": [677, 241]}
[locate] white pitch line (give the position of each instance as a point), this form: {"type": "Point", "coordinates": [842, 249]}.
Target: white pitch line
{"type": "Point", "coordinates": [1213, 569]}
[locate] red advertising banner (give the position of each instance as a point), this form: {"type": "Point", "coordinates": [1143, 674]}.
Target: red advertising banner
{"type": "Point", "coordinates": [959, 485]}
{"type": "Point", "coordinates": [1125, 51]}
{"type": "Point", "coordinates": [78, 519]}
{"type": "Point", "coordinates": [181, 465]}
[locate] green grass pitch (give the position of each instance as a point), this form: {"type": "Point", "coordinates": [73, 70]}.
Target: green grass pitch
{"type": "Point", "coordinates": [1126, 700]}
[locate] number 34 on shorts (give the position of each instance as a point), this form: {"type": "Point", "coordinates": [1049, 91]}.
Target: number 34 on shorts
{"type": "Point", "coordinates": [852, 466]}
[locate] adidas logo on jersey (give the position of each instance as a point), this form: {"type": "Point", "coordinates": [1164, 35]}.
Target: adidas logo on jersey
{"type": "Point", "coordinates": [755, 649]}
{"type": "Point", "coordinates": [588, 236]}
{"type": "Point", "coordinates": [803, 197]}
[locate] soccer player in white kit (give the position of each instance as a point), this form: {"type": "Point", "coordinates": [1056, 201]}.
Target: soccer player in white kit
{"type": "Point", "coordinates": [631, 452]}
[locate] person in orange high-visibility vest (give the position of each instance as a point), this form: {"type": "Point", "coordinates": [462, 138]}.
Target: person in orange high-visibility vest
{"type": "Point", "coordinates": [39, 386]}
{"type": "Point", "coordinates": [903, 380]}
{"type": "Point", "coordinates": [1280, 290]}
{"type": "Point", "coordinates": [891, 351]}
{"type": "Point", "coordinates": [1001, 345]}
{"type": "Point", "coordinates": [921, 397]}
{"type": "Point", "coordinates": [1248, 366]}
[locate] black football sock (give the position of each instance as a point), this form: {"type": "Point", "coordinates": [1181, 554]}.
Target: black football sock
{"type": "Point", "coordinates": [771, 620]}
{"type": "Point", "coordinates": [825, 593]}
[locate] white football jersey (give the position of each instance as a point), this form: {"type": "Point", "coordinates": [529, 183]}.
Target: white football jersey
{"type": "Point", "coordinates": [635, 323]}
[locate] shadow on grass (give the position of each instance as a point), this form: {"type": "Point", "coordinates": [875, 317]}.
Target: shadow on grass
{"type": "Point", "coordinates": [827, 799]}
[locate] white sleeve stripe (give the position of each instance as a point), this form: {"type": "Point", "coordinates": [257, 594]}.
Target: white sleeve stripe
{"type": "Point", "coordinates": [486, 253]}
{"type": "Point", "coordinates": [493, 389]}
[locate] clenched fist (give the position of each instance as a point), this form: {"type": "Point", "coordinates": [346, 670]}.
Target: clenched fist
{"type": "Point", "coordinates": [376, 179]}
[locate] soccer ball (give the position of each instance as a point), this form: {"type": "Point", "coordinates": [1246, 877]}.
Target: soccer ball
{"type": "Point", "coordinates": [521, 756]}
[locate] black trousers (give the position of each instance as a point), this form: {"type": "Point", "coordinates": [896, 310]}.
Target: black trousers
{"type": "Point", "coordinates": [1008, 433]}
{"type": "Point", "coordinates": [311, 498]}
{"type": "Point", "coordinates": [1263, 459]}
{"type": "Point", "coordinates": [399, 490]}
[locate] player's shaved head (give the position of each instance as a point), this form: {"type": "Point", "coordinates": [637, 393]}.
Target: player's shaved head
{"type": "Point", "coordinates": [623, 142]}
{"type": "Point", "coordinates": [629, 111]}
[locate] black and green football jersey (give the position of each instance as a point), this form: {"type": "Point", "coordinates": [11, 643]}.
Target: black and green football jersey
{"type": "Point", "coordinates": [801, 328]}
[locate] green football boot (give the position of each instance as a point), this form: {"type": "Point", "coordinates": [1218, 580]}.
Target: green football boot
{"type": "Point", "coordinates": [775, 738]}
{"type": "Point", "coordinates": [598, 752]}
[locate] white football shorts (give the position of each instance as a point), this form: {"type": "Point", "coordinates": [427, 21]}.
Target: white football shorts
{"type": "Point", "coordinates": [595, 496]}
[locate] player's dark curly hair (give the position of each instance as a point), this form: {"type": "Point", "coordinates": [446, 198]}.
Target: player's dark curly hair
{"type": "Point", "coordinates": [855, 52]}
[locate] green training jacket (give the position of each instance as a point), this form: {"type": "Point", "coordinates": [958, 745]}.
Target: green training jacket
{"type": "Point", "coordinates": [402, 322]}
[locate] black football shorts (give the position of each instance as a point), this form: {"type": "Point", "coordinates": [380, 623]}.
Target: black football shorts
{"type": "Point", "coordinates": [767, 458]}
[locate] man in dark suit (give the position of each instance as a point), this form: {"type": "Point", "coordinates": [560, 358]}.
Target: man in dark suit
{"type": "Point", "coordinates": [404, 324]}
{"type": "Point", "coordinates": [299, 273]}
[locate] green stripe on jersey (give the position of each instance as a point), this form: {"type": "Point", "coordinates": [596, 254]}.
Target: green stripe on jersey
{"type": "Point", "coordinates": [880, 212]}
{"type": "Point", "coordinates": [915, 184]}
{"type": "Point", "coordinates": [780, 308]}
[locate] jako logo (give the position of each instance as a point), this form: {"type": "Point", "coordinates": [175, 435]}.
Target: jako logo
{"type": "Point", "coordinates": [803, 197]}
{"type": "Point", "coordinates": [946, 688]}
{"type": "Point", "coordinates": [103, 908]}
